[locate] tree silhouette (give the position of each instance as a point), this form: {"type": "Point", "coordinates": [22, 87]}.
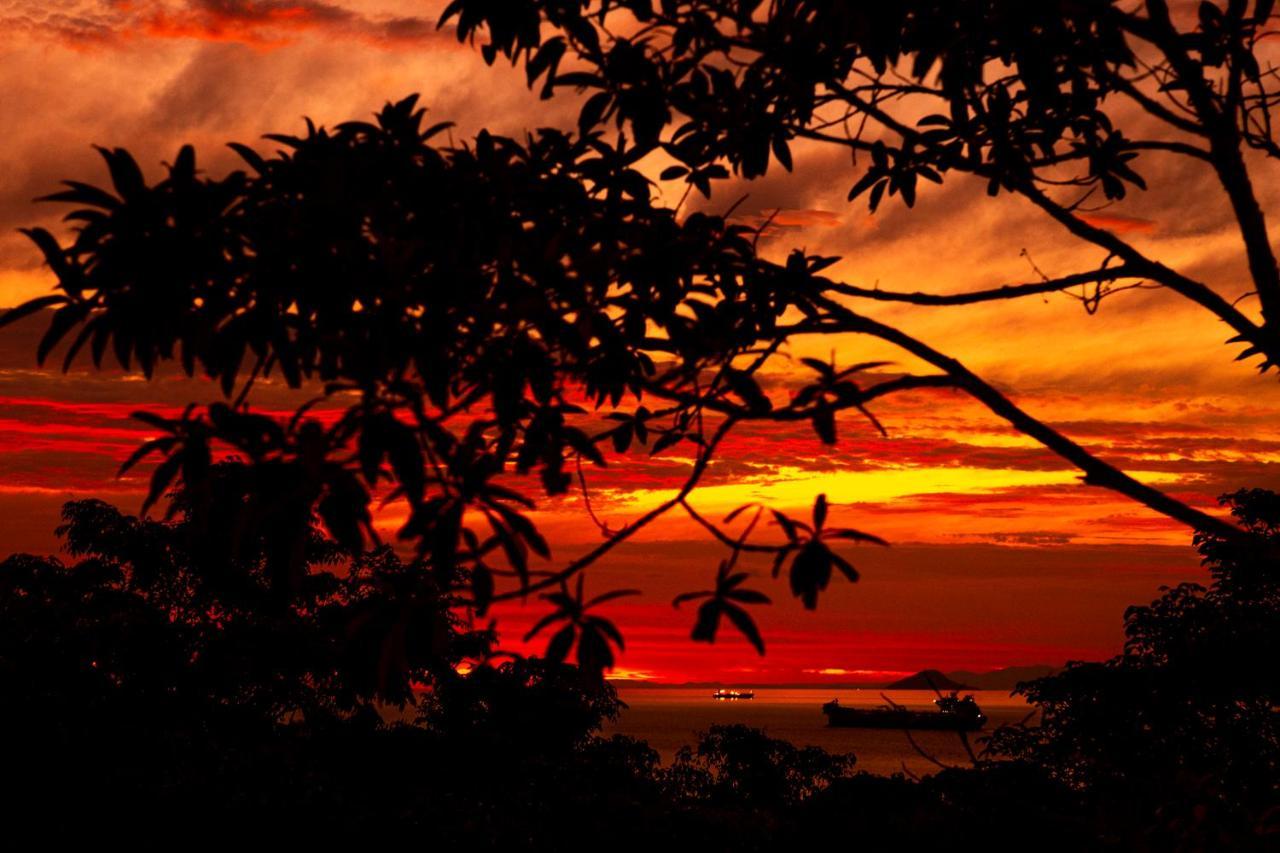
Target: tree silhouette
{"type": "Point", "coordinates": [485, 313]}
{"type": "Point", "coordinates": [737, 765]}
{"type": "Point", "coordinates": [1057, 102]}
{"type": "Point", "coordinates": [477, 309]}
{"type": "Point", "coordinates": [146, 613]}
{"type": "Point", "coordinates": [1182, 726]}
{"type": "Point", "coordinates": [1061, 104]}
{"type": "Point", "coordinates": [143, 688]}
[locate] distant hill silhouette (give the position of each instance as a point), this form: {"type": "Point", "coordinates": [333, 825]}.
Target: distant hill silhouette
{"type": "Point", "coordinates": [928, 679]}
{"type": "Point", "coordinates": [1003, 679]}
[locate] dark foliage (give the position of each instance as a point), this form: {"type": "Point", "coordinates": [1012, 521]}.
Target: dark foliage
{"type": "Point", "coordinates": [492, 309]}
{"type": "Point", "coordinates": [1182, 729]}
{"type": "Point", "coordinates": [138, 692]}
{"type": "Point", "coordinates": [734, 765]}
{"type": "Point", "coordinates": [1056, 101]}
{"type": "Point", "coordinates": [464, 304]}
{"type": "Point", "coordinates": [505, 309]}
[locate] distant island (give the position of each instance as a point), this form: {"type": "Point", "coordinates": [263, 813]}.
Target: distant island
{"type": "Point", "coordinates": [927, 679]}
{"type": "Point", "coordinates": [997, 679]}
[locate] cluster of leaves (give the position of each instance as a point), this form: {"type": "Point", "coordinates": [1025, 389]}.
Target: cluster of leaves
{"type": "Point", "coordinates": [463, 304]}
{"type": "Point", "coordinates": [478, 307]}
{"type": "Point", "coordinates": [149, 618]}
{"type": "Point", "coordinates": [737, 765]}
{"type": "Point", "coordinates": [1036, 99]}
{"type": "Point", "coordinates": [737, 83]}
{"type": "Point", "coordinates": [834, 391]}
{"type": "Point", "coordinates": [592, 633]}
{"type": "Point", "coordinates": [725, 600]}
{"type": "Point", "coordinates": [814, 559]}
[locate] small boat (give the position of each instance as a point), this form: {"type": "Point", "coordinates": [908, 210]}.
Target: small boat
{"type": "Point", "coordinates": [953, 714]}
{"type": "Point", "coordinates": [733, 694]}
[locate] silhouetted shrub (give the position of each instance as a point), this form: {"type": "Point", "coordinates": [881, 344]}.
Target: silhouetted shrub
{"type": "Point", "coordinates": [1182, 730]}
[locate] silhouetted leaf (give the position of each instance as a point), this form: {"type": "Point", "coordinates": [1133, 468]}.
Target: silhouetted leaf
{"type": "Point", "coordinates": [161, 478]}
{"type": "Point", "coordinates": [811, 573]}
{"type": "Point", "coordinates": [819, 512]}
{"type": "Point", "coordinates": [30, 307]}
{"type": "Point", "coordinates": [708, 620]}
{"type": "Point", "coordinates": [824, 424]}
{"type": "Point", "coordinates": [560, 643]}
{"type": "Point", "coordinates": [744, 623]}
{"type": "Point", "coordinates": [155, 445]}
{"type": "Point", "coordinates": [610, 596]}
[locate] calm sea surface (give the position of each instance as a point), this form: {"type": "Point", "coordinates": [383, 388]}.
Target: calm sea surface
{"type": "Point", "coordinates": [671, 718]}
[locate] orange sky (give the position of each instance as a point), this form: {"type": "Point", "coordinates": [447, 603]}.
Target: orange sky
{"type": "Point", "coordinates": [999, 556]}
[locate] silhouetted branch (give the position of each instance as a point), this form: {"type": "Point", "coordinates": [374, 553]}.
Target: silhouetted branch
{"type": "Point", "coordinates": [737, 544]}
{"type": "Point", "coordinates": [575, 566]}
{"type": "Point", "coordinates": [791, 414]}
{"type": "Point", "coordinates": [1097, 472]}
{"type": "Point", "coordinates": [1008, 291]}
{"type": "Point", "coordinates": [1140, 265]}
{"type": "Point", "coordinates": [1137, 263]}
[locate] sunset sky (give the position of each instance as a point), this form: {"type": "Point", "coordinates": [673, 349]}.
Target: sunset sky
{"type": "Point", "coordinates": [999, 556]}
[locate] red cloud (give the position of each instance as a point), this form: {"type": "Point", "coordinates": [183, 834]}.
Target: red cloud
{"type": "Point", "coordinates": [265, 24]}
{"type": "Point", "coordinates": [774, 222]}
{"type": "Point", "coordinates": [1118, 223]}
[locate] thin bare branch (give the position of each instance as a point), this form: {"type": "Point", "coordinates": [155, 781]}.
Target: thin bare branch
{"type": "Point", "coordinates": [1008, 291]}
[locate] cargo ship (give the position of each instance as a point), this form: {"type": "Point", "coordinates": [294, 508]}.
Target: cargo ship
{"type": "Point", "coordinates": [953, 714]}
{"type": "Point", "coordinates": [733, 694]}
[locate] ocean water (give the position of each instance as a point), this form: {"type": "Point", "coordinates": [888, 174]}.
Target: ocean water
{"type": "Point", "coordinates": [669, 718]}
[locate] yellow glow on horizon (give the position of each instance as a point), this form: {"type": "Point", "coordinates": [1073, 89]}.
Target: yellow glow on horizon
{"type": "Point", "coordinates": [621, 673]}
{"type": "Point", "coordinates": [794, 487]}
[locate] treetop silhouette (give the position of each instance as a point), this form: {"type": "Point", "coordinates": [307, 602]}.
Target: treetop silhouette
{"type": "Point", "coordinates": [1189, 706]}
{"type": "Point", "coordinates": [525, 306]}
{"type": "Point", "coordinates": [490, 319]}
{"type": "Point", "coordinates": [1057, 102]}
